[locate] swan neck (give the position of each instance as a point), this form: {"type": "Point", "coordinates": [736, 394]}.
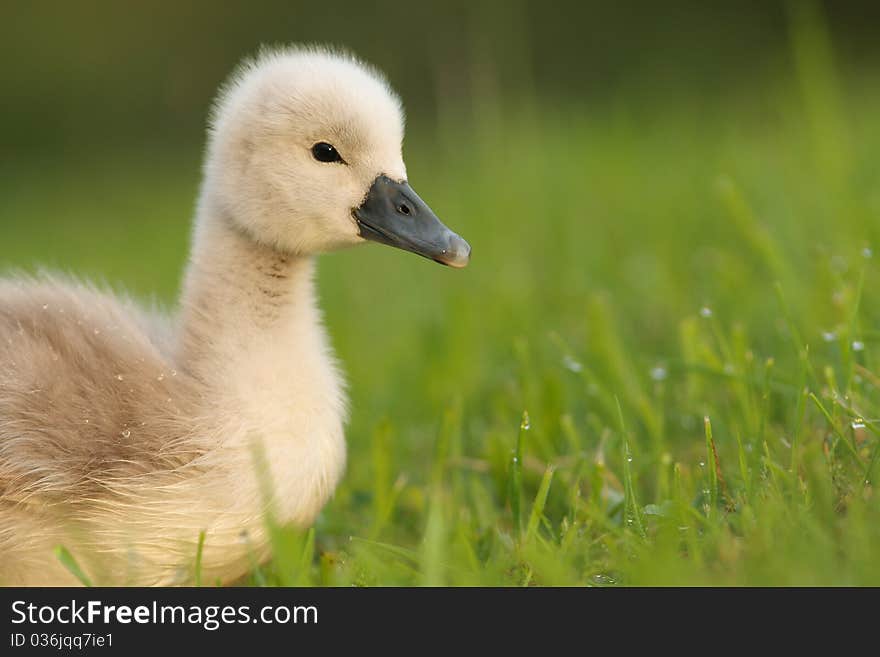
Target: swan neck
{"type": "Point", "coordinates": [239, 293]}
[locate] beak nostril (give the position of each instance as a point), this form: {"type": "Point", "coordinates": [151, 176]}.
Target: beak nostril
{"type": "Point", "coordinates": [403, 208]}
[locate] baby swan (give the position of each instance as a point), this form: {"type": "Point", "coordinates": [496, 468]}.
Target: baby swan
{"type": "Point", "coordinates": [123, 434]}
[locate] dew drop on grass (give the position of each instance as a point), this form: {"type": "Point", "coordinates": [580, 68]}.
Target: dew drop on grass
{"type": "Point", "coordinates": [829, 336]}
{"type": "Point", "coordinates": [629, 459]}
{"type": "Point", "coordinates": [858, 345]}
{"type": "Point", "coordinates": [658, 373]}
{"type": "Point", "coordinates": [702, 464]}
{"type": "Point", "coordinates": [706, 312]}
{"type": "Point", "coordinates": [858, 423]}
{"type": "Point", "coordinates": [571, 364]}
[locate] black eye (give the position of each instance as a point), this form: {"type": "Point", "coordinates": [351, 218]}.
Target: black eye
{"type": "Point", "coordinates": [324, 152]}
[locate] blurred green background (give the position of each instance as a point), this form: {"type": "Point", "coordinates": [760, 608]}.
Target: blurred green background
{"type": "Point", "coordinates": [673, 209]}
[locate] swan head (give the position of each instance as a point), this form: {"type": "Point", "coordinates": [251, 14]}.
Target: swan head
{"type": "Point", "coordinates": [304, 155]}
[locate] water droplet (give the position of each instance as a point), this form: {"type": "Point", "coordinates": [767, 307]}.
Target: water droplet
{"type": "Point", "coordinates": [515, 460]}
{"type": "Point", "coordinates": [705, 311]}
{"type": "Point", "coordinates": [126, 433]}
{"type": "Point", "coordinates": [658, 373]}
{"type": "Point", "coordinates": [119, 377]}
{"type": "Point", "coordinates": [161, 377]}
{"type": "Point", "coordinates": [867, 252]}
{"type": "Point", "coordinates": [702, 464]}
{"type": "Point", "coordinates": [87, 420]}
{"type": "Point", "coordinates": [858, 423]}
{"type": "Point", "coordinates": [629, 459]}
{"type": "Point", "coordinates": [526, 423]}
{"type": "Point", "coordinates": [829, 336]}
{"type": "Point", "coordinates": [571, 364]}
{"type": "Point", "coordinates": [858, 345]}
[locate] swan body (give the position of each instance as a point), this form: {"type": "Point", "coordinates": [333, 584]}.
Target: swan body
{"type": "Point", "coordinates": [125, 432]}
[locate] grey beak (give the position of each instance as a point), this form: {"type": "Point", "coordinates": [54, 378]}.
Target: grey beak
{"type": "Point", "coordinates": [394, 214]}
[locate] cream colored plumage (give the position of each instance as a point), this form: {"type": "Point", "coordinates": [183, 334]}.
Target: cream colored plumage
{"type": "Point", "coordinates": [124, 433]}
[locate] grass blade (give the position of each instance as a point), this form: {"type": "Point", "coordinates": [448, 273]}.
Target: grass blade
{"type": "Point", "coordinates": [540, 502]}
{"type": "Point", "coordinates": [198, 565]}
{"type": "Point", "coordinates": [515, 490]}
{"type": "Point", "coordinates": [66, 558]}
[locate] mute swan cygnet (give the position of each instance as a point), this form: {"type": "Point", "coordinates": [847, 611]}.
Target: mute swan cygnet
{"type": "Point", "coordinates": [124, 434]}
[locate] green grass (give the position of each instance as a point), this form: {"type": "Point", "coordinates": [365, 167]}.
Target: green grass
{"type": "Point", "coordinates": [662, 367]}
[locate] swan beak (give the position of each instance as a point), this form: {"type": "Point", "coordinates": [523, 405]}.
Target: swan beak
{"type": "Point", "coordinates": [394, 214]}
